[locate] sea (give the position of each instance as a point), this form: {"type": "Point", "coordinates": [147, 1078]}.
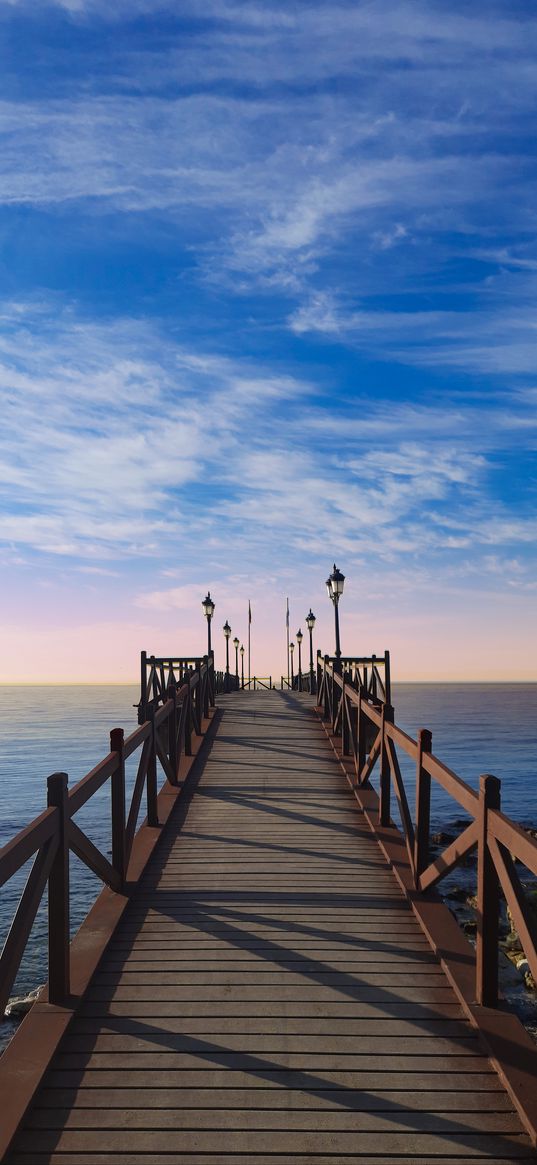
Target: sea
{"type": "Point", "coordinates": [477, 728]}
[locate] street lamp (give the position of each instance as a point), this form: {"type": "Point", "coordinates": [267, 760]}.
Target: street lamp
{"type": "Point", "coordinates": [291, 650]}
{"type": "Point", "coordinates": [236, 646]}
{"type": "Point", "coordinates": [227, 632]}
{"type": "Point", "coordinates": [310, 624]}
{"type": "Point", "coordinates": [208, 607]}
{"type": "Point", "coordinates": [242, 665]}
{"type": "Point", "coordinates": [334, 586]}
{"type": "Point", "coordinates": [299, 638]}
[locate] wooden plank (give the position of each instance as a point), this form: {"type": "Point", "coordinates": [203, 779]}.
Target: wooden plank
{"type": "Point", "coordinates": [251, 958]}
{"type": "Point", "coordinates": [228, 976]}
{"type": "Point", "coordinates": [335, 1050]}
{"type": "Point", "coordinates": [219, 1158]}
{"type": "Point", "coordinates": [301, 1061]}
{"type": "Point", "coordinates": [419, 1078]}
{"type": "Point", "coordinates": [369, 1100]}
{"type": "Point", "coordinates": [327, 1025]}
{"type": "Point", "coordinates": [396, 1120]}
{"type": "Point", "coordinates": [283, 1010]}
{"type": "Point", "coordinates": [304, 991]}
{"type": "Point", "coordinates": [471, 1144]}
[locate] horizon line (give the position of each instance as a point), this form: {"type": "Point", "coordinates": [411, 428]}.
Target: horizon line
{"type": "Point", "coordinates": [133, 683]}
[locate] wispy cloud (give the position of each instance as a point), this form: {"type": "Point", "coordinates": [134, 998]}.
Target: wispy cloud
{"type": "Point", "coordinates": [270, 274]}
{"type": "Point", "coordinates": [114, 464]}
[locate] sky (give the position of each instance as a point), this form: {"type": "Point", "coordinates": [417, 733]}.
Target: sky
{"type": "Point", "coordinates": [268, 278]}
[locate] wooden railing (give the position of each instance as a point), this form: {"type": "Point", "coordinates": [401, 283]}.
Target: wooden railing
{"type": "Point", "coordinates": [157, 673]}
{"type": "Point", "coordinates": [162, 739]}
{"type": "Point", "coordinates": [303, 682]}
{"type": "Point", "coordinates": [368, 736]}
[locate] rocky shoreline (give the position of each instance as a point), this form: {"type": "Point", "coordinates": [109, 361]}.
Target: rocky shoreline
{"type": "Point", "coordinates": [458, 891]}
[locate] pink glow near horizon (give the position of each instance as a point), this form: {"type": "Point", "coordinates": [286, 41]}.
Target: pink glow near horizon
{"type": "Point", "coordinates": [470, 644]}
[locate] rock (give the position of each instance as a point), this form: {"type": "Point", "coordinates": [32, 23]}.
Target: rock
{"type": "Point", "coordinates": [21, 1004]}
{"type": "Point", "coordinates": [513, 950]}
{"type": "Point", "coordinates": [442, 838]}
{"type": "Point", "coordinates": [471, 901]}
{"type": "Point", "coordinates": [530, 981]}
{"type": "Point", "coordinates": [458, 893]}
{"type": "Point", "coordinates": [470, 926]}
{"type": "Point", "coordinates": [510, 978]}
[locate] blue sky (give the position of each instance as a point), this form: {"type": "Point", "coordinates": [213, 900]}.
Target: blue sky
{"type": "Point", "coordinates": [267, 300]}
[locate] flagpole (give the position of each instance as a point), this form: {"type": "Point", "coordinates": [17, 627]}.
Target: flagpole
{"type": "Point", "coordinates": [249, 625]}
{"type": "Point", "coordinates": [287, 624]}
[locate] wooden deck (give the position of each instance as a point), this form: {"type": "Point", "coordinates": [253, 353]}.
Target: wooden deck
{"type": "Point", "coordinates": [269, 995]}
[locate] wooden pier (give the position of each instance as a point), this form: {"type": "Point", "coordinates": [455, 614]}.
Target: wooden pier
{"type": "Point", "coordinates": [268, 989]}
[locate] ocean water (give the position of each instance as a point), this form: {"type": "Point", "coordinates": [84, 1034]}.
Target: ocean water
{"type": "Point", "coordinates": [47, 729]}
{"type": "Point", "coordinates": [476, 728]}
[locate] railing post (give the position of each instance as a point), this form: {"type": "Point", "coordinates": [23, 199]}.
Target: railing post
{"type": "Point", "coordinates": [195, 705]}
{"type": "Point", "coordinates": [344, 722]}
{"type": "Point", "coordinates": [326, 689]}
{"type": "Point", "coordinates": [59, 979]}
{"type": "Point", "coordinates": [387, 678]}
{"type": "Point", "coordinates": [386, 713]}
{"type": "Point", "coordinates": [172, 733]}
{"type": "Point", "coordinates": [205, 686]}
{"type": "Point", "coordinates": [361, 729]}
{"type": "Point", "coordinates": [151, 780]}
{"type": "Point", "coordinates": [423, 805]}
{"type": "Point", "coordinates": [143, 688]}
{"type": "Point", "coordinates": [488, 899]}
{"type": "Point", "coordinates": [117, 785]}
{"type": "Point", "coordinates": [188, 720]}
{"type": "Point", "coordinates": [319, 671]}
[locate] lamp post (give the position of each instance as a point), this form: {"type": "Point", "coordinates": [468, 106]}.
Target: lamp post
{"type": "Point", "coordinates": [236, 646]}
{"type": "Point", "coordinates": [208, 607]}
{"type": "Point", "coordinates": [299, 638]}
{"type": "Point", "coordinates": [291, 650]}
{"type": "Point", "coordinates": [227, 632]}
{"type": "Point", "coordinates": [310, 624]}
{"type": "Point", "coordinates": [334, 586]}
{"type": "Point", "coordinates": [242, 665]}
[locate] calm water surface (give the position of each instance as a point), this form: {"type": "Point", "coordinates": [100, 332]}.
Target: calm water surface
{"type": "Point", "coordinates": [47, 729]}
{"type": "Point", "coordinates": [476, 728]}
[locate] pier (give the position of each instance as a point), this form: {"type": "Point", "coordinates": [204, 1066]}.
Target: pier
{"type": "Point", "coordinates": [269, 973]}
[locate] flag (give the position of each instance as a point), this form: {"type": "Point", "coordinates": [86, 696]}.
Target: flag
{"type": "Point", "coordinates": [249, 612]}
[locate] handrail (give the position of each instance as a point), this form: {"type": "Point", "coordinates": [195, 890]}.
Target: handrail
{"type": "Point", "coordinates": [163, 738]}
{"type": "Point", "coordinates": [363, 726]}
{"type": "Point", "coordinates": [303, 682]}
{"type": "Point", "coordinates": [157, 673]}
{"type": "Point", "coordinates": [26, 843]}
{"type": "Point", "coordinates": [370, 673]}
